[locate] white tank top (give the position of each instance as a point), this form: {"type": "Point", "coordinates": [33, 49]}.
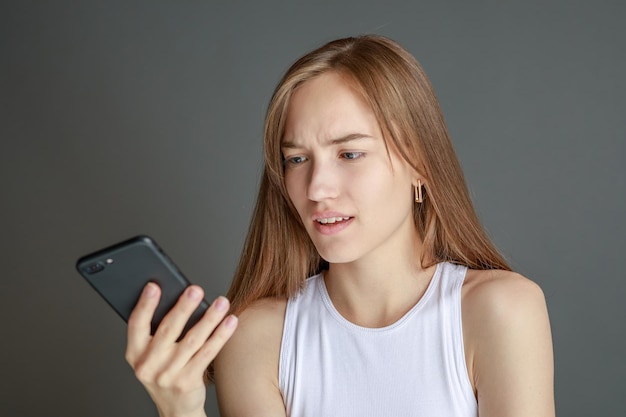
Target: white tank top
{"type": "Point", "coordinates": [414, 367]}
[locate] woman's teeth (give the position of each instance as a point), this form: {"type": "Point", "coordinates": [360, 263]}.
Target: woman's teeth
{"type": "Point", "coordinates": [331, 220]}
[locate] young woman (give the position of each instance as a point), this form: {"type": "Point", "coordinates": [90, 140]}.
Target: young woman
{"type": "Point", "coordinates": [409, 309]}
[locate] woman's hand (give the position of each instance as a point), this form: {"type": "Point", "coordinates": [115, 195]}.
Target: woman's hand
{"type": "Point", "coordinates": [173, 372]}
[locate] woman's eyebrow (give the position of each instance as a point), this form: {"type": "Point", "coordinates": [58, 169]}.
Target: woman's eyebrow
{"type": "Point", "coordinates": [349, 138]}
{"type": "Point", "coordinates": [288, 144]}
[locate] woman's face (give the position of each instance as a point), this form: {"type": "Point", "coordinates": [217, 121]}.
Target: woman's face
{"type": "Point", "coordinates": [353, 196]}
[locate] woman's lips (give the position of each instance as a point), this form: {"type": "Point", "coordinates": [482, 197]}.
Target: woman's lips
{"type": "Point", "coordinates": [331, 220]}
{"type": "Point", "coordinates": [330, 225]}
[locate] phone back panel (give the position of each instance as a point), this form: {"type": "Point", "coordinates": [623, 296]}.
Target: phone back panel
{"type": "Point", "coordinates": [120, 272]}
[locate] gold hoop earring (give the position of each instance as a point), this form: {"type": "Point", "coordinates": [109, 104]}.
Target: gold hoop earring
{"type": "Point", "coordinates": [418, 192]}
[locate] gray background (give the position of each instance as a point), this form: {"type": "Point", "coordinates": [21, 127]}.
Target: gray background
{"type": "Point", "coordinates": [119, 118]}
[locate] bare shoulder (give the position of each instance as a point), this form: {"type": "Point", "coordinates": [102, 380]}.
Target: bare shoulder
{"type": "Point", "coordinates": [508, 344]}
{"type": "Point", "coordinates": [260, 332]}
{"type": "Point", "coordinates": [498, 306]}
{"type": "Point", "coordinates": [497, 291]}
{"type": "Point", "coordinates": [263, 315]}
{"type": "Point", "coordinates": [247, 366]}
{"type": "Point", "coordinates": [260, 328]}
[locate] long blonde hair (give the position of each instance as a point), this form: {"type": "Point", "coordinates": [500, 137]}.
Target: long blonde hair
{"type": "Point", "coordinates": [278, 254]}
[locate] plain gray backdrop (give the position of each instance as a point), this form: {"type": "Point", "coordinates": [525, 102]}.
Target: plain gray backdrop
{"type": "Point", "coordinates": [122, 117]}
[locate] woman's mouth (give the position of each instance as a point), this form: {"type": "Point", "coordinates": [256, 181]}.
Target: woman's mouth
{"type": "Point", "coordinates": [332, 220]}
{"type": "Point", "coordinates": [332, 225]}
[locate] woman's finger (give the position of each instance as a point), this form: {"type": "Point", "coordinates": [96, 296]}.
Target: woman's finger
{"type": "Point", "coordinates": [174, 322]}
{"type": "Point", "coordinates": [209, 350]}
{"type": "Point", "coordinates": [201, 331]}
{"type": "Point", "coordinates": [139, 321]}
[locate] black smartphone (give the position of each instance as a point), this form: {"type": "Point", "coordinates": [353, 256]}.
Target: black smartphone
{"type": "Point", "coordinates": [120, 272]}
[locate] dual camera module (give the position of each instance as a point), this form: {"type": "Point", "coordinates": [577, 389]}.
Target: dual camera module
{"type": "Point", "coordinates": [97, 266]}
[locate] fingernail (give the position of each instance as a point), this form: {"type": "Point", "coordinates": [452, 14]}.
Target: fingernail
{"type": "Point", "coordinates": [193, 293]}
{"type": "Point", "coordinates": [230, 321]}
{"type": "Point", "coordinates": [221, 304]}
{"type": "Point", "coordinates": [150, 290]}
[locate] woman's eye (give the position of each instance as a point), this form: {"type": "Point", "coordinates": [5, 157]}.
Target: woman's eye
{"type": "Point", "coordinates": [294, 160]}
{"type": "Point", "coordinates": [351, 155]}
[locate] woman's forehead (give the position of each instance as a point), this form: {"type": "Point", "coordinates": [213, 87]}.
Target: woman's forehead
{"type": "Point", "coordinates": [328, 107]}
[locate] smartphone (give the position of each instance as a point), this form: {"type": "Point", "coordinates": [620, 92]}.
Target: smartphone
{"type": "Point", "coordinates": [120, 272]}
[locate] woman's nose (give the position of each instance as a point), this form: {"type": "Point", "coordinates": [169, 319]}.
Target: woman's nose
{"type": "Point", "coordinates": [323, 182]}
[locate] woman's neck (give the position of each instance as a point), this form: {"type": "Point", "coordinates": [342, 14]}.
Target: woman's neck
{"type": "Point", "coordinates": [377, 290]}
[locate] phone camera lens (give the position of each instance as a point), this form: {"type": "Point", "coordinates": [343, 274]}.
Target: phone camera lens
{"type": "Point", "coordinates": [95, 267]}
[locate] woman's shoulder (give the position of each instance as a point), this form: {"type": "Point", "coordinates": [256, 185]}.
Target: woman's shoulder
{"type": "Point", "coordinates": [497, 292]}
{"type": "Point", "coordinates": [259, 331]}
{"type": "Point", "coordinates": [507, 338]}
{"type": "Point", "coordinates": [263, 318]}
{"type": "Point", "coordinates": [261, 323]}
{"type": "Point", "coordinates": [501, 282]}
{"type": "Point", "coordinates": [269, 308]}
{"type": "Point", "coordinates": [248, 364]}
{"type": "Point", "coordinates": [494, 300]}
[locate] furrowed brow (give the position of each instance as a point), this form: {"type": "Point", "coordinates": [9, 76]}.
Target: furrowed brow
{"type": "Point", "coordinates": [349, 138]}
{"type": "Point", "coordinates": [288, 144]}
